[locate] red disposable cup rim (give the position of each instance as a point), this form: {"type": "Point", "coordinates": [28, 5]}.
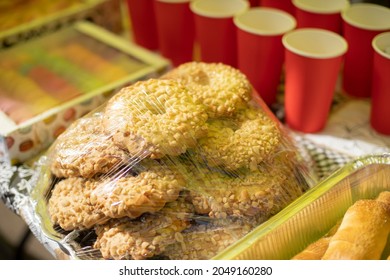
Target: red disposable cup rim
{"type": "Point", "coordinates": [367, 16]}
{"type": "Point", "coordinates": [381, 43]}
{"type": "Point", "coordinates": [321, 7]}
{"type": "Point", "coordinates": [219, 8]}
{"type": "Point", "coordinates": [265, 21]}
{"type": "Point", "coordinates": [315, 43]}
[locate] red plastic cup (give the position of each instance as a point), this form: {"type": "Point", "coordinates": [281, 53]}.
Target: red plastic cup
{"type": "Point", "coordinates": [320, 14]}
{"type": "Point", "coordinates": [254, 3]}
{"type": "Point", "coordinates": [312, 63]}
{"type": "Point", "coordinates": [285, 5]}
{"type": "Point", "coordinates": [260, 48]}
{"type": "Point", "coordinates": [380, 93]}
{"type": "Point", "coordinates": [215, 30]}
{"type": "Point", "coordinates": [361, 23]}
{"type": "Point", "coordinates": [175, 29]}
{"type": "Point", "coordinates": [143, 23]}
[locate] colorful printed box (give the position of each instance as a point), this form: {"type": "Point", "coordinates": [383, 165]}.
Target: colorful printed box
{"type": "Point", "coordinates": [49, 81]}
{"type": "Point", "coordinates": [23, 20]}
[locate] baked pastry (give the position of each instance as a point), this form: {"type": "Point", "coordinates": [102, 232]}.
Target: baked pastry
{"type": "Point", "coordinates": [131, 195]}
{"type": "Point", "coordinates": [205, 241]}
{"type": "Point", "coordinates": [155, 118]}
{"type": "Point", "coordinates": [263, 191]}
{"type": "Point", "coordinates": [70, 205]}
{"type": "Point", "coordinates": [316, 250]}
{"type": "Point", "coordinates": [169, 176]}
{"type": "Point", "coordinates": [83, 150]}
{"type": "Point", "coordinates": [222, 88]}
{"type": "Point", "coordinates": [144, 237]}
{"type": "Point", "coordinates": [363, 232]}
{"type": "Point", "coordinates": [244, 140]}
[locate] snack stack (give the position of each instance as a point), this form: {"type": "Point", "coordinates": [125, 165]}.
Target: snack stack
{"type": "Point", "coordinates": [178, 167]}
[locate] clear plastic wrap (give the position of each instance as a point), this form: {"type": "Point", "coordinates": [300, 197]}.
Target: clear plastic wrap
{"type": "Point", "coordinates": [179, 167]}
{"type": "Point", "coordinates": [318, 213]}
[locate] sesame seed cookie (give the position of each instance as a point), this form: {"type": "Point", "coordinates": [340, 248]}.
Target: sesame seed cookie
{"type": "Point", "coordinates": [155, 118]}
{"type": "Point", "coordinates": [222, 88]}
{"type": "Point", "coordinates": [144, 237]}
{"type": "Point", "coordinates": [84, 150]}
{"type": "Point", "coordinates": [70, 205]}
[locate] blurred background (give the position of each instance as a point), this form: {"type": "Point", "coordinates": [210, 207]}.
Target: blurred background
{"type": "Point", "coordinates": [16, 240]}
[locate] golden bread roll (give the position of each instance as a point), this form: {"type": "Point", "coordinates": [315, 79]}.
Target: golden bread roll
{"type": "Point", "coordinates": [316, 250]}
{"type": "Point", "coordinates": [363, 232]}
{"type": "Point", "coordinates": [384, 197]}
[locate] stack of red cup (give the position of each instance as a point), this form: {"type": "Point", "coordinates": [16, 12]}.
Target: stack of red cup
{"type": "Point", "coordinates": [311, 43]}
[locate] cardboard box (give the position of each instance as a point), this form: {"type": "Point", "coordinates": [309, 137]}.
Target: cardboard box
{"type": "Point", "coordinates": [61, 76]}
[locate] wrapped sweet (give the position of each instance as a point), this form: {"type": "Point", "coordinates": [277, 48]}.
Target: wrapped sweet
{"type": "Point", "coordinates": [178, 167]}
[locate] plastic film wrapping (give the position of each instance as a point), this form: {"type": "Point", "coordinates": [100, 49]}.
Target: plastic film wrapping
{"type": "Point", "coordinates": [179, 167]}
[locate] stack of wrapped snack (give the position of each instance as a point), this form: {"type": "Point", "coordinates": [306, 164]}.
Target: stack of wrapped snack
{"type": "Point", "coordinates": [178, 167]}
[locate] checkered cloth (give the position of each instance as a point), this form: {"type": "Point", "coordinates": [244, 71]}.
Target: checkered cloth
{"type": "Point", "coordinates": [324, 161]}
